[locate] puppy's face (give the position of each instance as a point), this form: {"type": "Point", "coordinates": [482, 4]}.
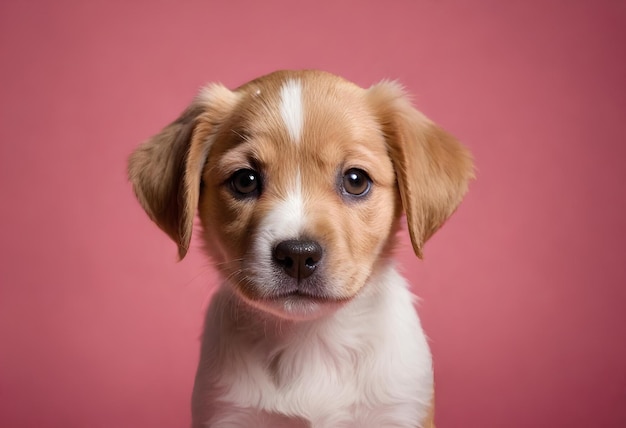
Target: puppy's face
{"type": "Point", "coordinates": [299, 194]}
{"type": "Point", "coordinates": [299, 179]}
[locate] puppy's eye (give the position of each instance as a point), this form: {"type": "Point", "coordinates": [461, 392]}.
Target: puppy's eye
{"type": "Point", "coordinates": [356, 182]}
{"type": "Point", "coordinates": [245, 182]}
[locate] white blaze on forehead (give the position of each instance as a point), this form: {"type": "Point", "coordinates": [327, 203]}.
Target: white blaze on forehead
{"type": "Point", "coordinates": [291, 109]}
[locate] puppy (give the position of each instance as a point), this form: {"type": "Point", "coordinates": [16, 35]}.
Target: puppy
{"type": "Point", "coordinates": [300, 179]}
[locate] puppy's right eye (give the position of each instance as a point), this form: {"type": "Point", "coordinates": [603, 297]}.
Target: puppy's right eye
{"type": "Point", "coordinates": [245, 183]}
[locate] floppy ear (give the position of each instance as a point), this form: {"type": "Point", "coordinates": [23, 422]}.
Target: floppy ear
{"type": "Point", "coordinates": [166, 170]}
{"type": "Point", "coordinates": [432, 168]}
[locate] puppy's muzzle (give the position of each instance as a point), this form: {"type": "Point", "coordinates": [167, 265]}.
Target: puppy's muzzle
{"type": "Point", "coordinates": [297, 258]}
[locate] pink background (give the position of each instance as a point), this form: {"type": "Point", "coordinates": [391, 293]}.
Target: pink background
{"type": "Point", "coordinates": [524, 290]}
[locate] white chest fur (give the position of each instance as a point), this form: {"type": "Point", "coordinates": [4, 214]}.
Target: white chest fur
{"type": "Point", "coordinates": [366, 365]}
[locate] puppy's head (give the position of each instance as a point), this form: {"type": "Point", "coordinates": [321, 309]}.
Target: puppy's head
{"type": "Point", "coordinates": [300, 179]}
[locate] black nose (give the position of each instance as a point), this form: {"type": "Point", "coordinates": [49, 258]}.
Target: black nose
{"type": "Point", "coordinates": [298, 258]}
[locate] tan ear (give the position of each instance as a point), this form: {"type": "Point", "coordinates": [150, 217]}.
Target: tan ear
{"type": "Point", "coordinates": [432, 168]}
{"type": "Point", "coordinates": [166, 170]}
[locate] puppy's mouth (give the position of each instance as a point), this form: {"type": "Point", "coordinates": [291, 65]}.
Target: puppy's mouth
{"type": "Point", "coordinates": [304, 295]}
{"type": "Point", "coordinates": [298, 303]}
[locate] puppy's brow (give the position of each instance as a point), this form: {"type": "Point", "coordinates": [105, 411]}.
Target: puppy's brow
{"type": "Point", "coordinates": [242, 135]}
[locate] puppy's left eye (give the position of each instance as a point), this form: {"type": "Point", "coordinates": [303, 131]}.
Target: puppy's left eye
{"type": "Point", "coordinates": [245, 182]}
{"type": "Point", "coordinates": [356, 182]}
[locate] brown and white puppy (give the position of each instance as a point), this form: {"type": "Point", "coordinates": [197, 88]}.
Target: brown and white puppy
{"type": "Point", "coordinates": [300, 179]}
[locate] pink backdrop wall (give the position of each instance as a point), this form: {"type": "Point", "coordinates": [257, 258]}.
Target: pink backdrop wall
{"type": "Point", "coordinates": [524, 290]}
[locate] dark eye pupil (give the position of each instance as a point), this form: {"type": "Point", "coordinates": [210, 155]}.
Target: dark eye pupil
{"type": "Point", "coordinates": [355, 182]}
{"type": "Point", "coordinates": [355, 179]}
{"type": "Point", "coordinates": [245, 181]}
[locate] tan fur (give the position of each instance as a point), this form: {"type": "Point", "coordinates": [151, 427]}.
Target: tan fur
{"type": "Point", "coordinates": [432, 168]}
{"type": "Point", "coordinates": [156, 170]}
{"type": "Point", "coordinates": [165, 171]}
{"type": "Point", "coordinates": [429, 422]}
{"type": "Point", "coordinates": [414, 165]}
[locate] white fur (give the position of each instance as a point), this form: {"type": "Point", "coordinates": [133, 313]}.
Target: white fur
{"type": "Point", "coordinates": [285, 221]}
{"type": "Point", "coordinates": [366, 366]}
{"type": "Point", "coordinates": [291, 109]}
